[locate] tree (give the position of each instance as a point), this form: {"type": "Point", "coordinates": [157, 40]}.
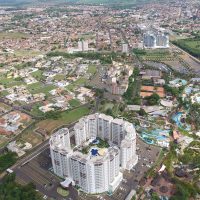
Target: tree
{"type": "Point", "coordinates": [153, 99]}
{"type": "Point", "coordinates": [10, 190]}
{"type": "Point", "coordinates": [142, 112]}
{"type": "Point", "coordinates": [6, 160]}
{"type": "Point", "coordinates": [137, 101]}
{"type": "Point", "coordinates": [155, 196]}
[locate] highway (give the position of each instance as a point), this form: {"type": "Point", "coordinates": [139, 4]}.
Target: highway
{"type": "Point", "coordinates": [37, 150]}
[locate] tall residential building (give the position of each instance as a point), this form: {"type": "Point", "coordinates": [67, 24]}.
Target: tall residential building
{"type": "Point", "coordinates": [98, 169]}
{"type": "Point", "coordinates": [155, 40]}
{"type": "Point", "coordinates": [83, 45]}
{"type": "Point", "coordinates": [124, 48]}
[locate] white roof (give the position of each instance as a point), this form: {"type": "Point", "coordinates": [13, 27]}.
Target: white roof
{"type": "Point", "coordinates": [66, 182]}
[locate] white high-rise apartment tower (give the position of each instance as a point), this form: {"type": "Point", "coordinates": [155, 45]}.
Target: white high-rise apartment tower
{"type": "Point", "coordinates": [98, 169]}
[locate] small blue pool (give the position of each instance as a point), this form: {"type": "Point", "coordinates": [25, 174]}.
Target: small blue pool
{"type": "Point", "coordinates": [177, 119]}
{"type": "Point", "coordinates": [94, 152]}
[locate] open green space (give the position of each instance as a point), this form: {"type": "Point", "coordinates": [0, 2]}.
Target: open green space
{"type": "Point", "coordinates": [79, 82]}
{"type": "Point", "coordinates": [153, 54]}
{"type": "Point", "coordinates": [10, 190]}
{"type": "Point", "coordinates": [3, 141]}
{"type": "Point", "coordinates": [40, 88]}
{"type": "Point", "coordinates": [31, 137]}
{"type": "Point", "coordinates": [191, 45]}
{"type": "Point", "coordinates": [37, 74]}
{"type": "Point", "coordinates": [105, 58]}
{"type": "Point", "coordinates": [7, 160]}
{"type": "Point", "coordinates": [74, 103]}
{"type": "Point", "coordinates": [133, 87]}
{"type": "Point", "coordinates": [4, 106]}
{"type": "Point", "coordinates": [9, 82]}
{"type": "Point", "coordinates": [92, 69]}
{"type": "Point", "coordinates": [35, 109]}
{"type": "Point", "coordinates": [27, 53]}
{"type": "Point", "coordinates": [59, 77]}
{"type": "Point", "coordinates": [65, 118]}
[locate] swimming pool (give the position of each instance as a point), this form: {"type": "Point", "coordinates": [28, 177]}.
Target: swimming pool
{"type": "Point", "coordinates": [177, 119]}
{"type": "Point", "coordinates": [155, 136]}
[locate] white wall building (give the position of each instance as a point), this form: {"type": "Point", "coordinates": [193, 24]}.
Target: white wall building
{"type": "Point", "coordinates": [98, 170]}
{"type": "Point", "coordinates": [155, 40]}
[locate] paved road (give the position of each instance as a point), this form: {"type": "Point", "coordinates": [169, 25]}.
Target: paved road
{"type": "Point", "coordinates": [37, 150]}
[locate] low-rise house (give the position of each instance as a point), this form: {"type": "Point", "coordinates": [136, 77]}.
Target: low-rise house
{"type": "Point", "coordinates": [149, 74]}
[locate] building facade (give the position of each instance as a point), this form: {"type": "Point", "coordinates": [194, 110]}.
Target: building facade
{"type": "Point", "coordinates": [155, 40]}
{"type": "Point", "coordinates": [98, 170]}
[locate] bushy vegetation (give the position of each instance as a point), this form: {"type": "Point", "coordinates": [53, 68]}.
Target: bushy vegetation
{"type": "Point", "coordinates": [101, 144]}
{"type": "Point", "coordinates": [153, 99]}
{"type": "Point", "coordinates": [173, 91]}
{"type": "Point", "coordinates": [191, 45]}
{"type": "Point", "coordinates": [193, 115]}
{"type": "Point", "coordinates": [140, 52]}
{"type": "Point", "coordinates": [191, 156]}
{"type": "Point", "coordinates": [7, 160]}
{"type": "Point", "coordinates": [184, 191]}
{"type": "Point", "coordinates": [10, 190]}
{"type": "Point", "coordinates": [128, 95]}
{"type": "Point", "coordinates": [105, 58]}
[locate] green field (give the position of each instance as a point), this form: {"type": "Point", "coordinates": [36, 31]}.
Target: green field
{"type": "Point", "coordinates": [37, 74]}
{"type": "Point", "coordinates": [79, 82]}
{"type": "Point", "coordinates": [6, 160]}
{"type": "Point", "coordinates": [92, 69]}
{"type": "Point", "coordinates": [74, 103]}
{"type": "Point", "coordinates": [9, 82]}
{"type": "Point", "coordinates": [66, 117]}
{"type": "Point", "coordinates": [191, 45]}
{"type": "Point", "coordinates": [59, 77]}
{"type": "Point", "coordinates": [27, 53]}
{"type": "Point", "coordinates": [40, 88]}
{"type": "Point", "coordinates": [155, 55]}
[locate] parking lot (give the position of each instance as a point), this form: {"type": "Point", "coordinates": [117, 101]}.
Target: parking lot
{"type": "Point", "coordinates": [147, 157]}
{"type": "Point", "coordinates": [37, 171]}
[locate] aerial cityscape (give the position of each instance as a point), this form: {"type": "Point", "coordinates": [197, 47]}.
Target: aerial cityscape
{"type": "Point", "coordinates": [99, 100]}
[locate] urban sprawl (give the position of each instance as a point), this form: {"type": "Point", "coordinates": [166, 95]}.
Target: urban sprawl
{"type": "Point", "coordinates": [100, 101]}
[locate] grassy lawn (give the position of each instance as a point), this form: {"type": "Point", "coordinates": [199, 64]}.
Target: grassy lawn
{"type": "Point", "coordinates": [6, 107]}
{"type": "Point", "coordinates": [160, 54]}
{"type": "Point", "coordinates": [37, 74]}
{"type": "Point", "coordinates": [31, 137]}
{"type": "Point", "coordinates": [59, 77]}
{"type": "Point", "coordinates": [3, 141]}
{"type": "Point", "coordinates": [67, 117]}
{"type": "Point", "coordinates": [80, 81]}
{"type": "Point", "coordinates": [27, 53]}
{"type": "Point", "coordinates": [74, 102]}
{"type": "Point", "coordinates": [4, 93]}
{"type": "Point", "coordinates": [9, 82]}
{"type": "Point", "coordinates": [92, 69]}
{"type": "Point", "coordinates": [191, 45]}
{"type": "Point", "coordinates": [106, 106]}
{"type": "Point", "coordinates": [62, 192]}
{"type": "Point", "coordinates": [70, 87]}
{"type": "Point", "coordinates": [35, 110]}
{"type": "Point", "coordinates": [40, 88]}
